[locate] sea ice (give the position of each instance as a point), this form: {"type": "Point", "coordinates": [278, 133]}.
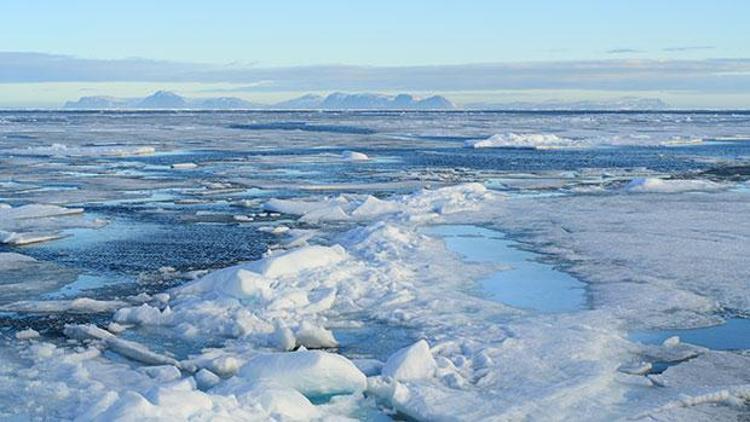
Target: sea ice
{"type": "Point", "coordinates": [311, 373]}
{"type": "Point", "coordinates": [523, 140]}
{"type": "Point", "coordinates": [411, 363]}
{"type": "Point", "coordinates": [652, 184]}
{"type": "Point", "coordinates": [354, 156]}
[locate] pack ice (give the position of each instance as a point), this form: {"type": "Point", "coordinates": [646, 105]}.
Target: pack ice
{"type": "Point", "coordinates": [271, 327]}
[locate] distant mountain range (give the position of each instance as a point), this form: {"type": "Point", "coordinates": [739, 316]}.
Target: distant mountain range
{"type": "Point", "coordinates": [336, 101]}
{"type": "Point", "coordinates": [165, 100]}
{"type": "Point", "coordinates": [621, 104]}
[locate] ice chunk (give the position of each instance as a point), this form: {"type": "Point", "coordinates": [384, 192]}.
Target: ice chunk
{"type": "Point", "coordinates": [206, 379]}
{"type": "Point", "coordinates": [144, 314]}
{"type": "Point", "coordinates": [184, 166]}
{"type": "Point", "coordinates": [354, 156]}
{"type": "Point", "coordinates": [35, 223]}
{"type": "Point", "coordinates": [289, 404]}
{"type": "Point", "coordinates": [373, 207]}
{"type": "Point", "coordinates": [671, 341]}
{"type": "Point", "coordinates": [27, 334]}
{"type": "Point", "coordinates": [314, 337]}
{"type": "Point", "coordinates": [411, 363]}
{"type": "Point", "coordinates": [653, 184]}
{"type": "Point", "coordinates": [312, 373]}
{"type": "Point", "coordinates": [129, 349]}
{"type": "Point", "coordinates": [163, 373]}
{"type": "Point", "coordinates": [284, 337]}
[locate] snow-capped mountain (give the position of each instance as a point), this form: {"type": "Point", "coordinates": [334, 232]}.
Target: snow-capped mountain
{"type": "Point", "coordinates": [161, 100]}
{"type": "Point", "coordinates": [367, 101]}
{"type": "Point", "coordinates": [337, 101]}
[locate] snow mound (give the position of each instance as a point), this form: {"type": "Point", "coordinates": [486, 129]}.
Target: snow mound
{"type": "Point", "coordinates": [411, 363]}
{"type": "Point", "coordinates": [311, 373]}
{"type": "Point", "coordinates": [523, 140]}
{"type": "Point", "coordinates": [653, 184]}
{"type": "Point", "coordinates": [301, 259]}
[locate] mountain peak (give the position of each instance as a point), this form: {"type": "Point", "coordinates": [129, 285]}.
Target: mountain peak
{"type": "Point", "coordinates": [163, 99]}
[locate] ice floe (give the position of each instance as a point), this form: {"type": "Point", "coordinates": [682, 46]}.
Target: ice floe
{"type": "Point", "coordinates": [523, 140]}
{"type": "Point", "coordinates": [33, 223]}
{"type": "Point", "coordinates": [61, 150]}
{"type": "Point", "coordinates": [652, 184]}
{"type": "Point", "coordinates": [354, 156]}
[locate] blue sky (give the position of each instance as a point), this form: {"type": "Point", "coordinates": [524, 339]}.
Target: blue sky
{"type": "Point", "coordinates": [220, 39]}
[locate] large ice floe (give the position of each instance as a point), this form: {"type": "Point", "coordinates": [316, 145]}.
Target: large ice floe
{"type": "Point", "coordinates": [62, 150]}
{"type": "Point", "coordinates": [270, 326]}
{"type": "Point", "coordinates": [35, 223]}
{"type": "Point", "coordinates": [524, 140]}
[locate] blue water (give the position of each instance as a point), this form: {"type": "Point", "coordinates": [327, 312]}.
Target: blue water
{"type": "Point", "coordinates": [734, 334]}
{"type": "Point", "coordinates": [528, 284]}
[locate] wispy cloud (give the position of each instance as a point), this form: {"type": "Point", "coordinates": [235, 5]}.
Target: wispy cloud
{"type": "Point", "coordinates": [690, 48]}
{"type": "Point", "coordinates": [713, 75]}
{"type": "Point", "coordinates": [623, 51]}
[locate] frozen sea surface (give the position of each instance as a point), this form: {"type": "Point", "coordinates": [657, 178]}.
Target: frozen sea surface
{"type": "Point", "coordinates": [475, 266]}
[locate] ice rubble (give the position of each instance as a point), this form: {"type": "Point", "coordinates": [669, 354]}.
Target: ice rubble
{"type": "Point", "coordinates": [484, 361]}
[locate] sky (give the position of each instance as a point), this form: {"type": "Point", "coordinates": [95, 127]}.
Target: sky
{"type": "Point", "coordinates": [690, 53]}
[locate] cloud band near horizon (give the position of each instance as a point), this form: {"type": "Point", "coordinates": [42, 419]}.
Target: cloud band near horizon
{"type": "Point", "coordinates": [708, 75]}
